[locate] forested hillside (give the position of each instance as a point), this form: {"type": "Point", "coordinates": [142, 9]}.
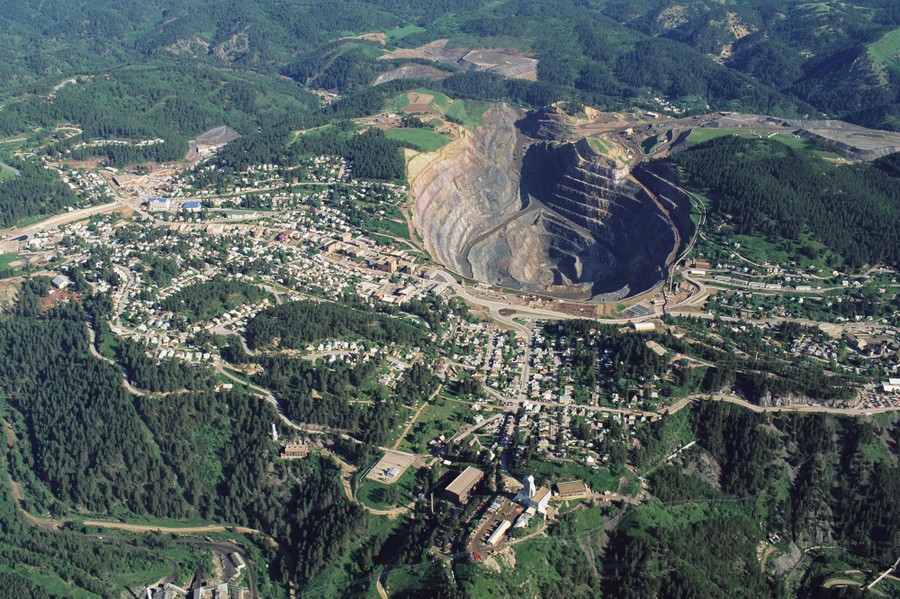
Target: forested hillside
{"type": "Point", "coordinates": [764, 188]}
{"type": "Point", "coordinates": [33, 191]}
{"type": "Point", "coordinates": [86, 442]}
{"type": "Point", "coordinates": [772, 474]}
{"type": "Point", "coordinates": [766, 57]}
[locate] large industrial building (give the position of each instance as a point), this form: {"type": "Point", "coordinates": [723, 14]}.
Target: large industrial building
{"type": "Point", "coordinates": [461, 486]}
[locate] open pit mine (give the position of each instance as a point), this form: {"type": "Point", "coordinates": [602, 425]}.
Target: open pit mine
{"type": "Point", "coordinates": [555, 219]}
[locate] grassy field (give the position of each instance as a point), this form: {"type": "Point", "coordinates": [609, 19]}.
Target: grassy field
{"type": "Point", "coordinates": [469, 112]}
{"type": "Point", "coordinates": [699, 136]}
{"type": "Point", "coordinates": [600, 145]}
{"type": "Point", "coordinates": [442, 416]}
{"type": "Point", "coordinates": [398, 33]}
{"type": "Point", "coordinates": [6, 174]}
{"type": "Point", "coordinates": [405, 580]}
{"type": "Point", "coordinates": [31, 220]}
{"type": "Point", "coordinates": [886, 50]}
{"type": "Point", "coordinates": [374, 494]}
{"type": "Point", "coordinates": [398, 103]}
{"type": "Point", "coordinates": [7, 259]}
{"type": "Point", "coordinates": [782, 251]}
{"type": "Point", "coordinates": [391, 227]}
{"type": "Point", "coordinates": [423, 139]}
{"type": "Point", "coordinates": [546, 472]}
{"type": "Point", "coordinates": [49, 582]}
{"type": "Point", "coordinates": [542, 560]}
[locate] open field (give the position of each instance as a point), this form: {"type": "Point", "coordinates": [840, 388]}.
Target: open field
{"type": "Point", "coordinates": [423, 139]}
{"type": "Point", "coordinates": [381, 496]}
{"type": "Point", "coordinates": [50, 582]}
{"type": "Point", "coordinates": [398, 33]}
{"type": "Point", "coordinates": [699, 136]}
{"type": "Point", "coordinates": [441, 416]}
{"type": "Point", "coordinates": [418, 102]}
{"type": "Point", "coordinates": [336, 580]}
{"type": "Point", "coordinates": [469, 113]}
{"type": "Point", "coordinates": [390, 460]}
{"type": "Point", "coordinates": [887, 50]}
{"type": "Point", "coordinates": [6, 260]}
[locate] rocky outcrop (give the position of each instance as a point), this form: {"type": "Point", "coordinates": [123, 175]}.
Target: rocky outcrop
{"type": "Point", "coordinates": [549, 123]}
{"type": "Point", "coordinates": [568, 222]}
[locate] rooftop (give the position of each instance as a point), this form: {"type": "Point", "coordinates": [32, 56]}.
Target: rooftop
{"type": "Point", "coordinates": [465, 481]}
{"type": "Point", "coordinates": [540, 494]}
{"type": "Point", "coordinates": [574, 487]}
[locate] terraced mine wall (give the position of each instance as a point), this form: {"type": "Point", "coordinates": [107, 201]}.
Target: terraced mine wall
{"type": "Point", "coordinates": [660, 179]}
{"type": "Point", "coordinates": [566, 222]}
{"type": "Point", "coordinates": [630, 236]}
{"type": "Point", "coordinates": [472, 188]}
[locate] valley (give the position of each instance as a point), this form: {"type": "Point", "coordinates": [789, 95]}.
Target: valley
{"type": "Point", "coordinates": [456, 300]}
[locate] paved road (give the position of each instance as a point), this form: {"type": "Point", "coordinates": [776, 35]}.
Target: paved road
{"type": "Point", "coordinates": [61, 219]}
{"type": "Point", "coordinates": [884, 574]}
{"type": "Point", "coordinates": [734, 399]}
{"type": "Point", "coordinates": [14, 171]}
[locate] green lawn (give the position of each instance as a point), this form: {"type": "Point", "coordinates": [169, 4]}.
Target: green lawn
{"type": "Point", "coordinates": [375, 494]}
{"type": "Point", "coordinates": [7, 259]}
{"type": "Point", "coordinates": [887, 50]}
{"type": "Point", "coordinates": [6, 174]}
{"type": "Point", "coordinates": [423, 139]}
{"type": "Point", "coordinates": [469, 112]}
{"type": "Point", "coordinates": [442, 416]}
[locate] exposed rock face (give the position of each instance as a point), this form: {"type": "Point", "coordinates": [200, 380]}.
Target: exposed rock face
{"type": "Point", "coordinates": [568, 222]}
{"type": "Point", "coordinates": [469, 192]}
{"type": "Point", "coordinates": [549, 123]}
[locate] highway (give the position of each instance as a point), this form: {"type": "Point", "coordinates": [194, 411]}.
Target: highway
{"type": "Point", "coordinates": [62, 219]}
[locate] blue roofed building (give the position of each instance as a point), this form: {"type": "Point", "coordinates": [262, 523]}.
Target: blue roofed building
{"type": "Point", "coordinates": [154, 204]}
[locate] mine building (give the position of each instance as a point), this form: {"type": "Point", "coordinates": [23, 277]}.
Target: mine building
{"type": "Point", "coordinates": [533, 496]}
{"type": "Point", "coordinates": [460, 488]}
{"type": "Point", "coordinates": [575, 489]}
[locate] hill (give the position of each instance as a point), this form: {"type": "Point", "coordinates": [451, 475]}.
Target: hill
{"type": "Point", "coordinates": [773, 57]}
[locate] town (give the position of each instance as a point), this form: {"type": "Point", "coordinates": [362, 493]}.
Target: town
{"type": "Point", "coordinates": [533, 415]}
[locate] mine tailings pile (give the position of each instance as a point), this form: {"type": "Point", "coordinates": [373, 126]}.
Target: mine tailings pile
{"type": "Point", "coordinates": [552, 219]}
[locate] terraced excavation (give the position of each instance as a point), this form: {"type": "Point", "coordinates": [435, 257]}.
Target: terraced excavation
{"type": "Point", "coordinates": [551, 219]}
